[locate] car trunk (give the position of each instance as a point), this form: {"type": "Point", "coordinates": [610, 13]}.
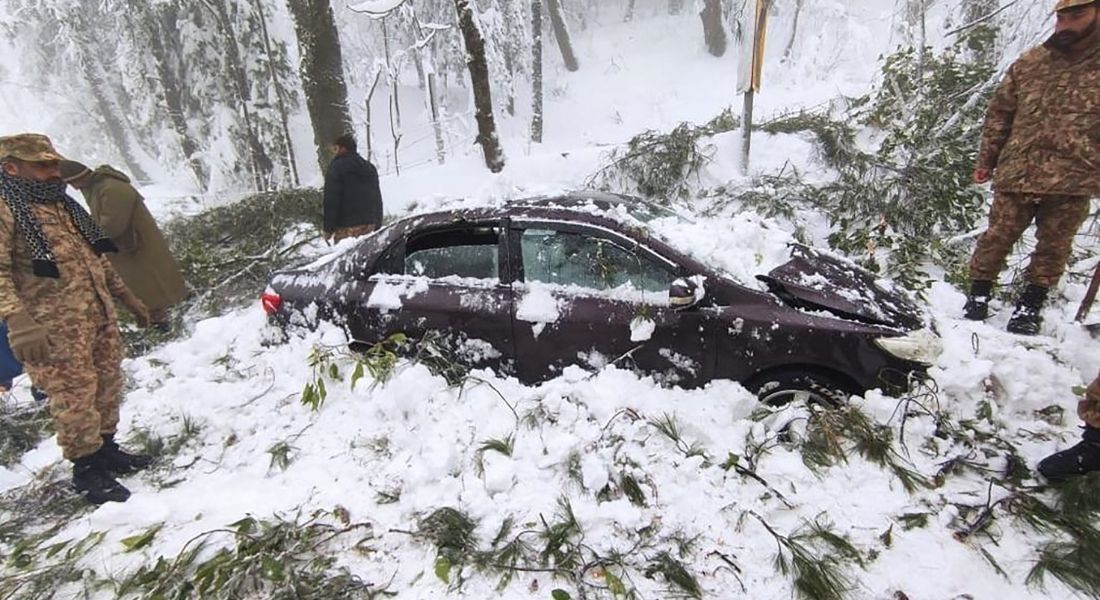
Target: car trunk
{"type": "Point", "coordinates": [813, 280]}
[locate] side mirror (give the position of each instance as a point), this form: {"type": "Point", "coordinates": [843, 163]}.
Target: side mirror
{"type": "Point", "coordinates": [685, 293]}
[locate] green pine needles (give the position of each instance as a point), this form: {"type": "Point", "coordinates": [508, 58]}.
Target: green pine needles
{"type": "Point", "coordinates": [815, 558]}
{"type": "Point", "coordinates": [660, 166]}
{"type": "Point", "coordinates": [832, 434]}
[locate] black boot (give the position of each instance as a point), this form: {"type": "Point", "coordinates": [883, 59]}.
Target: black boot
{"type": "Point", "coordinates": [1078, 460]}
{"type": "Point", "coordinates": [977, 301]}
{"type": "Point", "coordinates": [92, 480]}
{"type": "Point", "coordinates": [1026, 319]}
{"type": "Point", "coordinates": [120, 462]}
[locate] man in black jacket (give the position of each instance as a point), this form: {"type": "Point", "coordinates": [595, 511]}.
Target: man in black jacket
{"type": "Point", "coordinates": [353, 201]}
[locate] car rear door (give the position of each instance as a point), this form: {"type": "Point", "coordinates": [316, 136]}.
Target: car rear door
{"type": "Point", "coordinates": [592, 296]}
{"type": "Point", "coordinates": [448, 284]}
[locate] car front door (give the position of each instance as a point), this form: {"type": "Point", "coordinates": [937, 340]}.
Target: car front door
{"type": "Point", "coordinates": [447, 284]}
{"type": "Point", "coordinates": [593, 297]}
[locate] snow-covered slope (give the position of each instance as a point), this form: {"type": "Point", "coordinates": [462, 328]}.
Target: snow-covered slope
{"type": "Point", "coordinates": [391, 453]}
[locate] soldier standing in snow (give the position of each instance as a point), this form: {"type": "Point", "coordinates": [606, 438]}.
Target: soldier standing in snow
{"type": "Point", "coordinates": [143, 258]}
{"type": "Point", "coordinates": [353, 200]}
{"type": "Point", "coordinates": [1085, 456]}
{"type": "Point", "coordinates": [1041, 148]}
{"type": "Point", "coordinates": [55, 296]}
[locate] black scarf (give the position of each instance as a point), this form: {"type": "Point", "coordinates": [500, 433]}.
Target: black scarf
{"type": "Point", "coordinates": [19, 193]}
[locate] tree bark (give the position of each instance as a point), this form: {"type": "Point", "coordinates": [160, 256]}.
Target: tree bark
{"type": "Point", "coordinates": [479, 78]}
{"type": "Point", "coordinates": [794, 31]}
{"type": "Point", "coordinates": [536, 71]}
{"type": "Point", "coordinates": [437, 125]}
{"type": "Point", "coordinates": [561, 34]}
{"type": "Point", "coordinates": [370, 121]}
{"type": "Point", "coordinates": [322, 72]}
{"type": "Point", "coordinates": [713, 31]}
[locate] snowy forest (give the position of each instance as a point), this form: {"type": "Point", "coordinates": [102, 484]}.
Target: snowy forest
{"type": "Point", "coordinates": [289, 466]}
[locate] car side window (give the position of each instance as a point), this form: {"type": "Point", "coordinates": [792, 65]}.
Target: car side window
{"type": "Point", "coordinates": [567, 258]}
{"type": "Point", "coordinates": [471, 252]}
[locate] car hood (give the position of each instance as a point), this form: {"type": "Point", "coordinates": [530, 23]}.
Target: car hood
{"type": "Point", "coordinates": [815, 280]}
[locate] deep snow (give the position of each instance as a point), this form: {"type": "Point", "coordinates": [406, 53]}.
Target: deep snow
{"type": "Point", "coordinates": [417, 436]}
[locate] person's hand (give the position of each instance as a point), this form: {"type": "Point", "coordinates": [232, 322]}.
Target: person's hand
{"type": "Point", "coordinates": [136, 308]}
{"type": "Point", "coordinates": [30, 342]}
{"type": "Point", "coordinates": [982, 176]}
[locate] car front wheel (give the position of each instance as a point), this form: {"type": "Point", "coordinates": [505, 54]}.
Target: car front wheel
{"type": "Point", "coordinates": [781, 388]}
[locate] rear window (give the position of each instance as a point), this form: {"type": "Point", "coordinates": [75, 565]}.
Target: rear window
{"type": "Point", "coordinates": [472, 252]}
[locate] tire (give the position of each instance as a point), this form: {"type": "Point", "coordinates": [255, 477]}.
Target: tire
{"type": "Point", "coordinates": [809, 388]}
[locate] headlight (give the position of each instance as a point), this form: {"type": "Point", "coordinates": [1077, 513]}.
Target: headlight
{"type": "Point", "coordinates": [920, 346]}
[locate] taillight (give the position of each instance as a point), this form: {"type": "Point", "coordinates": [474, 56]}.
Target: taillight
{"type": "Point", "coordinates": [271, 302]}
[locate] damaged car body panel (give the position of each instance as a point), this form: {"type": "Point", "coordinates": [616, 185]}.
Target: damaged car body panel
{"type": "Point", "coordinates": [534, 286]}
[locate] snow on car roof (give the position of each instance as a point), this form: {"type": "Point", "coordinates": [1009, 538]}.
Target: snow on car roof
{"type": "Point", "coordinates": [741, 246]}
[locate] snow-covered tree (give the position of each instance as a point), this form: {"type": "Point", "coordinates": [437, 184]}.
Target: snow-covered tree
{"type": "Point", "coordinates": [536, 71]}
{"type": "Point", "coordinates": [479, 80]}
{"type": "Point", "coordinates": [561, 34]}
{"type": "Point", "coordinates": [714, 31]}
{"type": "Point", "coordinates": [322, 73]}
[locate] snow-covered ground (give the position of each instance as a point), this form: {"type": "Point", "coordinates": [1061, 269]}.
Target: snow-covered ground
{"type": "Point", "coordinates": [390, 453]}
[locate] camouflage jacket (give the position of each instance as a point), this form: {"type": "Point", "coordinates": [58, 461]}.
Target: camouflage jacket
{"type": "Point", "coordinates": [1042, 129]}
{"type": "Point", "coordinates": [80, 297]}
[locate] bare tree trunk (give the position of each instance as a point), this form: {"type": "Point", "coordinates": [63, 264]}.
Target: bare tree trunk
{"type": "Point", "coordinates": [536, 71]}
{"type": "Point", "coordinates": [794, 31]}
{"type": "Point", "coordinates": [165, 19]}
{"type": "Point", "coordinates": [370, 131]}
{"type": "Point", "coordinates": [394, 105]}
{"type": "Point", "coordinates": [395, 124]}
{"type": "Point", "coordinates": [714, 33]}
{"type": "Point", "coordinates": [629, 15]}
{"type": "Point", "coordinates": [561, 34]}
{"type": "Point", "coordinates": [289, 161]}
{"type": "Point", "coordinates": [479, 78]}
{"type": "Point", "coordinates": [437, 125]}
{"type": "Point", "coordinates": [322, 72]}
{"type": "Point", "coordinates": [920, 7]}
{"type": "Point", "coordinates": [421, 75]}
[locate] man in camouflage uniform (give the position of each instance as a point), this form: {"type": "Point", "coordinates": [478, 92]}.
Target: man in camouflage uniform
{"type": "Point", "coordinates": [1085, 456]}
{"type": "Point", "coordinates": [1041, 148]}
{"type": "Point", "coordinates": [56, 293]}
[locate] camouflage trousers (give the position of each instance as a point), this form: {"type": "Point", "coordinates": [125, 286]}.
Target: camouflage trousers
{"type": "Point", "coordinates": [83, 379]}
{"type": "Point", "coordinates": [354, 231]}
{"type": "Point", "coordinates": [1057, 219]}
{"type": "Point", "coordinates": [1089, 407]}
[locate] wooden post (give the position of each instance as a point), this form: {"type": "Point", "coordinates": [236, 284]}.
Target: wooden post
{"type": "Point", "coordinates": [751, 71]}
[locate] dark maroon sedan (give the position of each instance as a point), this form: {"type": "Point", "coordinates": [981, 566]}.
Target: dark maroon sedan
{"type": "Point", "coordinates": [534, 286]}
